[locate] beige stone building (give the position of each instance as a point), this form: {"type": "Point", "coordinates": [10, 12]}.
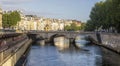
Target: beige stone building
{"type": "Point", "coordinates": [32, 22]}
{"type": "Point", "coordinates": [78, 23]}
{"type": "Point", "coordinates": [0, 18]}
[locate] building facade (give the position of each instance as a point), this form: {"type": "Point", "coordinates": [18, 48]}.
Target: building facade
{"type": "Point", "coordinates": [32, 22]}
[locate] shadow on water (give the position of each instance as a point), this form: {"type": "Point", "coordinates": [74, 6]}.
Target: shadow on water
{"type": "Point", "coordinates": [110, 58]}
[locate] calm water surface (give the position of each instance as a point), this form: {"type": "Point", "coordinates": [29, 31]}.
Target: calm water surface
{"type": "Point", "coordinates": [51, 56]}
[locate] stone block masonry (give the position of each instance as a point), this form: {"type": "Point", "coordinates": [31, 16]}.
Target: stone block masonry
{"type": "Point", "coordinates": [111, 41]}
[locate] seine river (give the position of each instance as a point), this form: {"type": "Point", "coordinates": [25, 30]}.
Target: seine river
{"type": "Point", "coordinates": [91, 55]}
{"type": "Point", "coordinates": [51, 56]}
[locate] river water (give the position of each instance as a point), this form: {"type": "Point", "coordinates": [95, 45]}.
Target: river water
{"type": "Point", "coordinates": [51, 56]}
{"type": "Point", "coordinates": [90, 55]}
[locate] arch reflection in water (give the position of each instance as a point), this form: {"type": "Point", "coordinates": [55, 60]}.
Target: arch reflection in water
{"type": "Point", "coordinates": [81, 41]}
{"type": "Point", "coordinates": [61, 42]}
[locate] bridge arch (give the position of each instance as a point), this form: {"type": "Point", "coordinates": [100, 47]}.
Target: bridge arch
{"type": "Point", "coordinates": [69, 34]}
{"type": "Point", "coordinates": [52, 38]}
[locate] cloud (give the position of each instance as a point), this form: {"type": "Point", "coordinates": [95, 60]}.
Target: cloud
{"type": "Point", "coordinates": [13, 2]}
{"type": "Point", "coordinates": [41, 13]}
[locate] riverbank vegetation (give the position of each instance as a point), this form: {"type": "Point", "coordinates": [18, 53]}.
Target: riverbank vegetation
{"type": "Point", "coordinates": [104, 15]}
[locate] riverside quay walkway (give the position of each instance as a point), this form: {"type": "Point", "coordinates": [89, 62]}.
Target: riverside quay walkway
{"type": "Point", "coordinates": [12, 48]}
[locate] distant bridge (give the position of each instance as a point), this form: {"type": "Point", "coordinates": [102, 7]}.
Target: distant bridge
{"type": "Point", "coordinates": [68, 34]}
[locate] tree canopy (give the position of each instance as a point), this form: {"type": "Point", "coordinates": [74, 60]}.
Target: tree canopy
{"type": "Point", "coordinates": [74, 27]}
{"type": "Point", "coordinates": [10, 19]}
{"type": "Point", "coordinates": [105, 14]}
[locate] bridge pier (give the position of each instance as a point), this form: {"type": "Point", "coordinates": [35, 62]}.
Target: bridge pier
{"type": "Point", "coordinates": [72, 42]}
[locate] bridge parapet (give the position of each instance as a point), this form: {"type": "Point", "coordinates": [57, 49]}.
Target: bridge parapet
{"type": "Point", "coordinates": [68, 34]}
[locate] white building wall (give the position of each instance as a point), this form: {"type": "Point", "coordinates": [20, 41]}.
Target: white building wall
{"type": "Point", "coordinates": [61, 26]}
{"type": "Point", "coordinates": [35, 25]}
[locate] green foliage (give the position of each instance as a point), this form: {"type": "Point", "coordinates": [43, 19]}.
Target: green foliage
{"type": "Point", "coordinates": [105, 14]}
{"type": "Point", "coordinates": [5, 21]}
{"type": "Point", "coordinates": [73, 27]}
{"type": "Point", "coordinates": [67, 27]}
{"type": "Point", "coordinates": [10, 19]}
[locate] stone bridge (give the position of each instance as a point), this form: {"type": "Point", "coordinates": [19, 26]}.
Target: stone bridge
{"type": "Point", "coordinates": [108, 40]}
{"type": "Point", "coordinates": [68, 34]}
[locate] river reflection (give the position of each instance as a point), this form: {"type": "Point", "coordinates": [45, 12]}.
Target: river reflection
{"type": "Point", "coordinates": [52, 56]}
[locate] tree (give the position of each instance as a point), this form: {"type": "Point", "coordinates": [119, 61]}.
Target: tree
{"type": "Point", "coordinates": [82, 27]}
{"type": "Point", "coordinates": [105, 14]}
{"type": "Point", "coordinates": [5, 20]}
{"type": "Point", "coordinates": [67, 28]}
{"type": "Point", "coordinates": [10, 19]}
{"type": "Point", "coordinates": [115, 14]}
{"type": "Point", "coordinates": [72, 27]}
{"type": "Point", "coordinates": [90, 26]}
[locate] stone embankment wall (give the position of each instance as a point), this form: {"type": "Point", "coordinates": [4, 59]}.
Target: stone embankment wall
{"type": "Point", "coordinates": [111, 41]}
{"type": "Point", "coordinates": [108, 40]}
{"type": "Point", "coordinates": [12, 48]}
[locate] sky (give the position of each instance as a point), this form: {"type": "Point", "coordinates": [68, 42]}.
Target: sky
{"type": "Point", "coordinates": [60, 9]}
